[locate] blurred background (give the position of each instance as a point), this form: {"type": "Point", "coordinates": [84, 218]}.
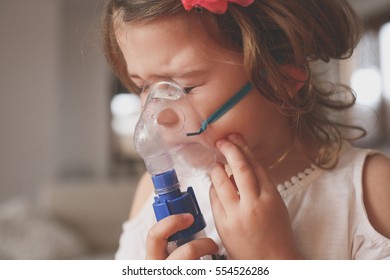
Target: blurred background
{"type": "Point", "coordinates": [67, 165]}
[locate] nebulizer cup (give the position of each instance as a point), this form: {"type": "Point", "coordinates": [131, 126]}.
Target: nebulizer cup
{"type": "Point", "coordinates": [161, 139]}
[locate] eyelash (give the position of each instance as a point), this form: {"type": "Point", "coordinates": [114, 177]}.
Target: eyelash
{"type": "Point", "coordinates": [188, 90]}
{"type": "Point", "coordinates": [139, 90]}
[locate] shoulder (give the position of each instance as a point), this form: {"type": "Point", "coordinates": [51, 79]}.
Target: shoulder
{"type": "Point", "coordinates": [144, 190]}
{"type": "Point", "coordinates": [376, 192]}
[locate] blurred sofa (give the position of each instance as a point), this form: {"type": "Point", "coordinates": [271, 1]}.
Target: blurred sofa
{"type": "Point", "coordinates": [66, 220]}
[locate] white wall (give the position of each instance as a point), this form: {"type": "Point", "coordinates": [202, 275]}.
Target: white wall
{"type": "Point", "coordinates": [54, 87]}
{"type": "Point", "coordinates": [367, 8]}
{"type": "Point", "coordinates": [84, 100]}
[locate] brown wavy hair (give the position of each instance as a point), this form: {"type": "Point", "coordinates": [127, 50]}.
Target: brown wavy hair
{"type": "Point", "coordinates": [270, 33]}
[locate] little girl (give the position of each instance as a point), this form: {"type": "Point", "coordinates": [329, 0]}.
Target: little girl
{"type": "Point", "coordinates": [288, 185]}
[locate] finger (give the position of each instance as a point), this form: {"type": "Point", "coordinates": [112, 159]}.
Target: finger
{"type": "Point", "coordinates": [238, 140]}
{"type": "Point", "coordinates": [225, 190]}
{"type": "Point", "coordinates": [244, 175]}
{"type": "Point", "coordinates": [157, 239]}
{"type": "Point", "coordinates": [216, 205]}
{"type": "Point", "coordinates": [260, 172]}
{"type": "Point", "coordinates": [194, 250]}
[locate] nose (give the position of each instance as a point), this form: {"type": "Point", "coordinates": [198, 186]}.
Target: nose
{"type": "Point", "coordinates": [170, 119]}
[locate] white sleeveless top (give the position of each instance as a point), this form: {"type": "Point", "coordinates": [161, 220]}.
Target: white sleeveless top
{"type": "Point", "coordinates": [326, 209]}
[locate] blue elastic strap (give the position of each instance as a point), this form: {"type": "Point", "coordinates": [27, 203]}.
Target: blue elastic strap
{"type": "Point", "coordinates": [223, 109]}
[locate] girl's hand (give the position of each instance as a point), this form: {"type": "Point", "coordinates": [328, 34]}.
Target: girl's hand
{"type": "Point", "coordinates": [157, 240]}
{"type": "Point", "coordinates": [250, 216]}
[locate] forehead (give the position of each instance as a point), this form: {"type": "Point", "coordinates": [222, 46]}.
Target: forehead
{"type": "Point", "coordinates": [168, 43]}
{"type": "Point", "coordinates": [178, 27]}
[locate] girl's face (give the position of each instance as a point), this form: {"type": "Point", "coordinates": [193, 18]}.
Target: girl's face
{"type": "Point", "coordinates": [168, 49]}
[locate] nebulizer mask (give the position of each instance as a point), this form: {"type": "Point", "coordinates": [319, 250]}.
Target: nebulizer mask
{"type": "Point", "coordinates": [172, 140]}
{"type": "Point", "coordinates": [160, 135]}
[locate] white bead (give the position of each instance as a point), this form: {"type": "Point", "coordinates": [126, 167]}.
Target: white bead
{"type": "Point", "coordinates": [301, 175]}
{"type": "Point", "coordinates": [294, 179]}
{"type": "Point", "coordinates": [308, 171]}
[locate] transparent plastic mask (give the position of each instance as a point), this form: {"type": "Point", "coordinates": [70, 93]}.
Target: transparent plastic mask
{"type": "Point", "coordinates": [160, 135]}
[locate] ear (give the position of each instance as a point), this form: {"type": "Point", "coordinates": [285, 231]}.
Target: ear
{"type": "Point", "coordinates": [298, 76]}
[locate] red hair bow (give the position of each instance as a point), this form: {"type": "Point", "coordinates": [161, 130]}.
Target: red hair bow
{"type": "Point", "coordinates": [214, 6]}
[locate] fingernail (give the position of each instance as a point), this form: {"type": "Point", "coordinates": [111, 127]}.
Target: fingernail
{"type": "Point", "coordinates": [220, 142]}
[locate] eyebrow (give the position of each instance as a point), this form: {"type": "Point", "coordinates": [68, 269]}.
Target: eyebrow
{"type": "Point", "coordinates": [190, 72]}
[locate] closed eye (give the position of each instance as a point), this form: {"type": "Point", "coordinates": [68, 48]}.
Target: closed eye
{"type": "Point", "coordinates": [188, 90]}
{"type": "Point", "coordinates": [138, 90]}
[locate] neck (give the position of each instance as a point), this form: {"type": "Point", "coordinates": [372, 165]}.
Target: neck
{"type": "Point", "coordinates": [282, 157]}
{"type": "Point", "coordinates": [286, 162]}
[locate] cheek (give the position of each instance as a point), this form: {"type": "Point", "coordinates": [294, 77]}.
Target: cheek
{"type": "Point", "coordinates": [251, 116]}
{"type": "Point", "coordinates": [202, 104]}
